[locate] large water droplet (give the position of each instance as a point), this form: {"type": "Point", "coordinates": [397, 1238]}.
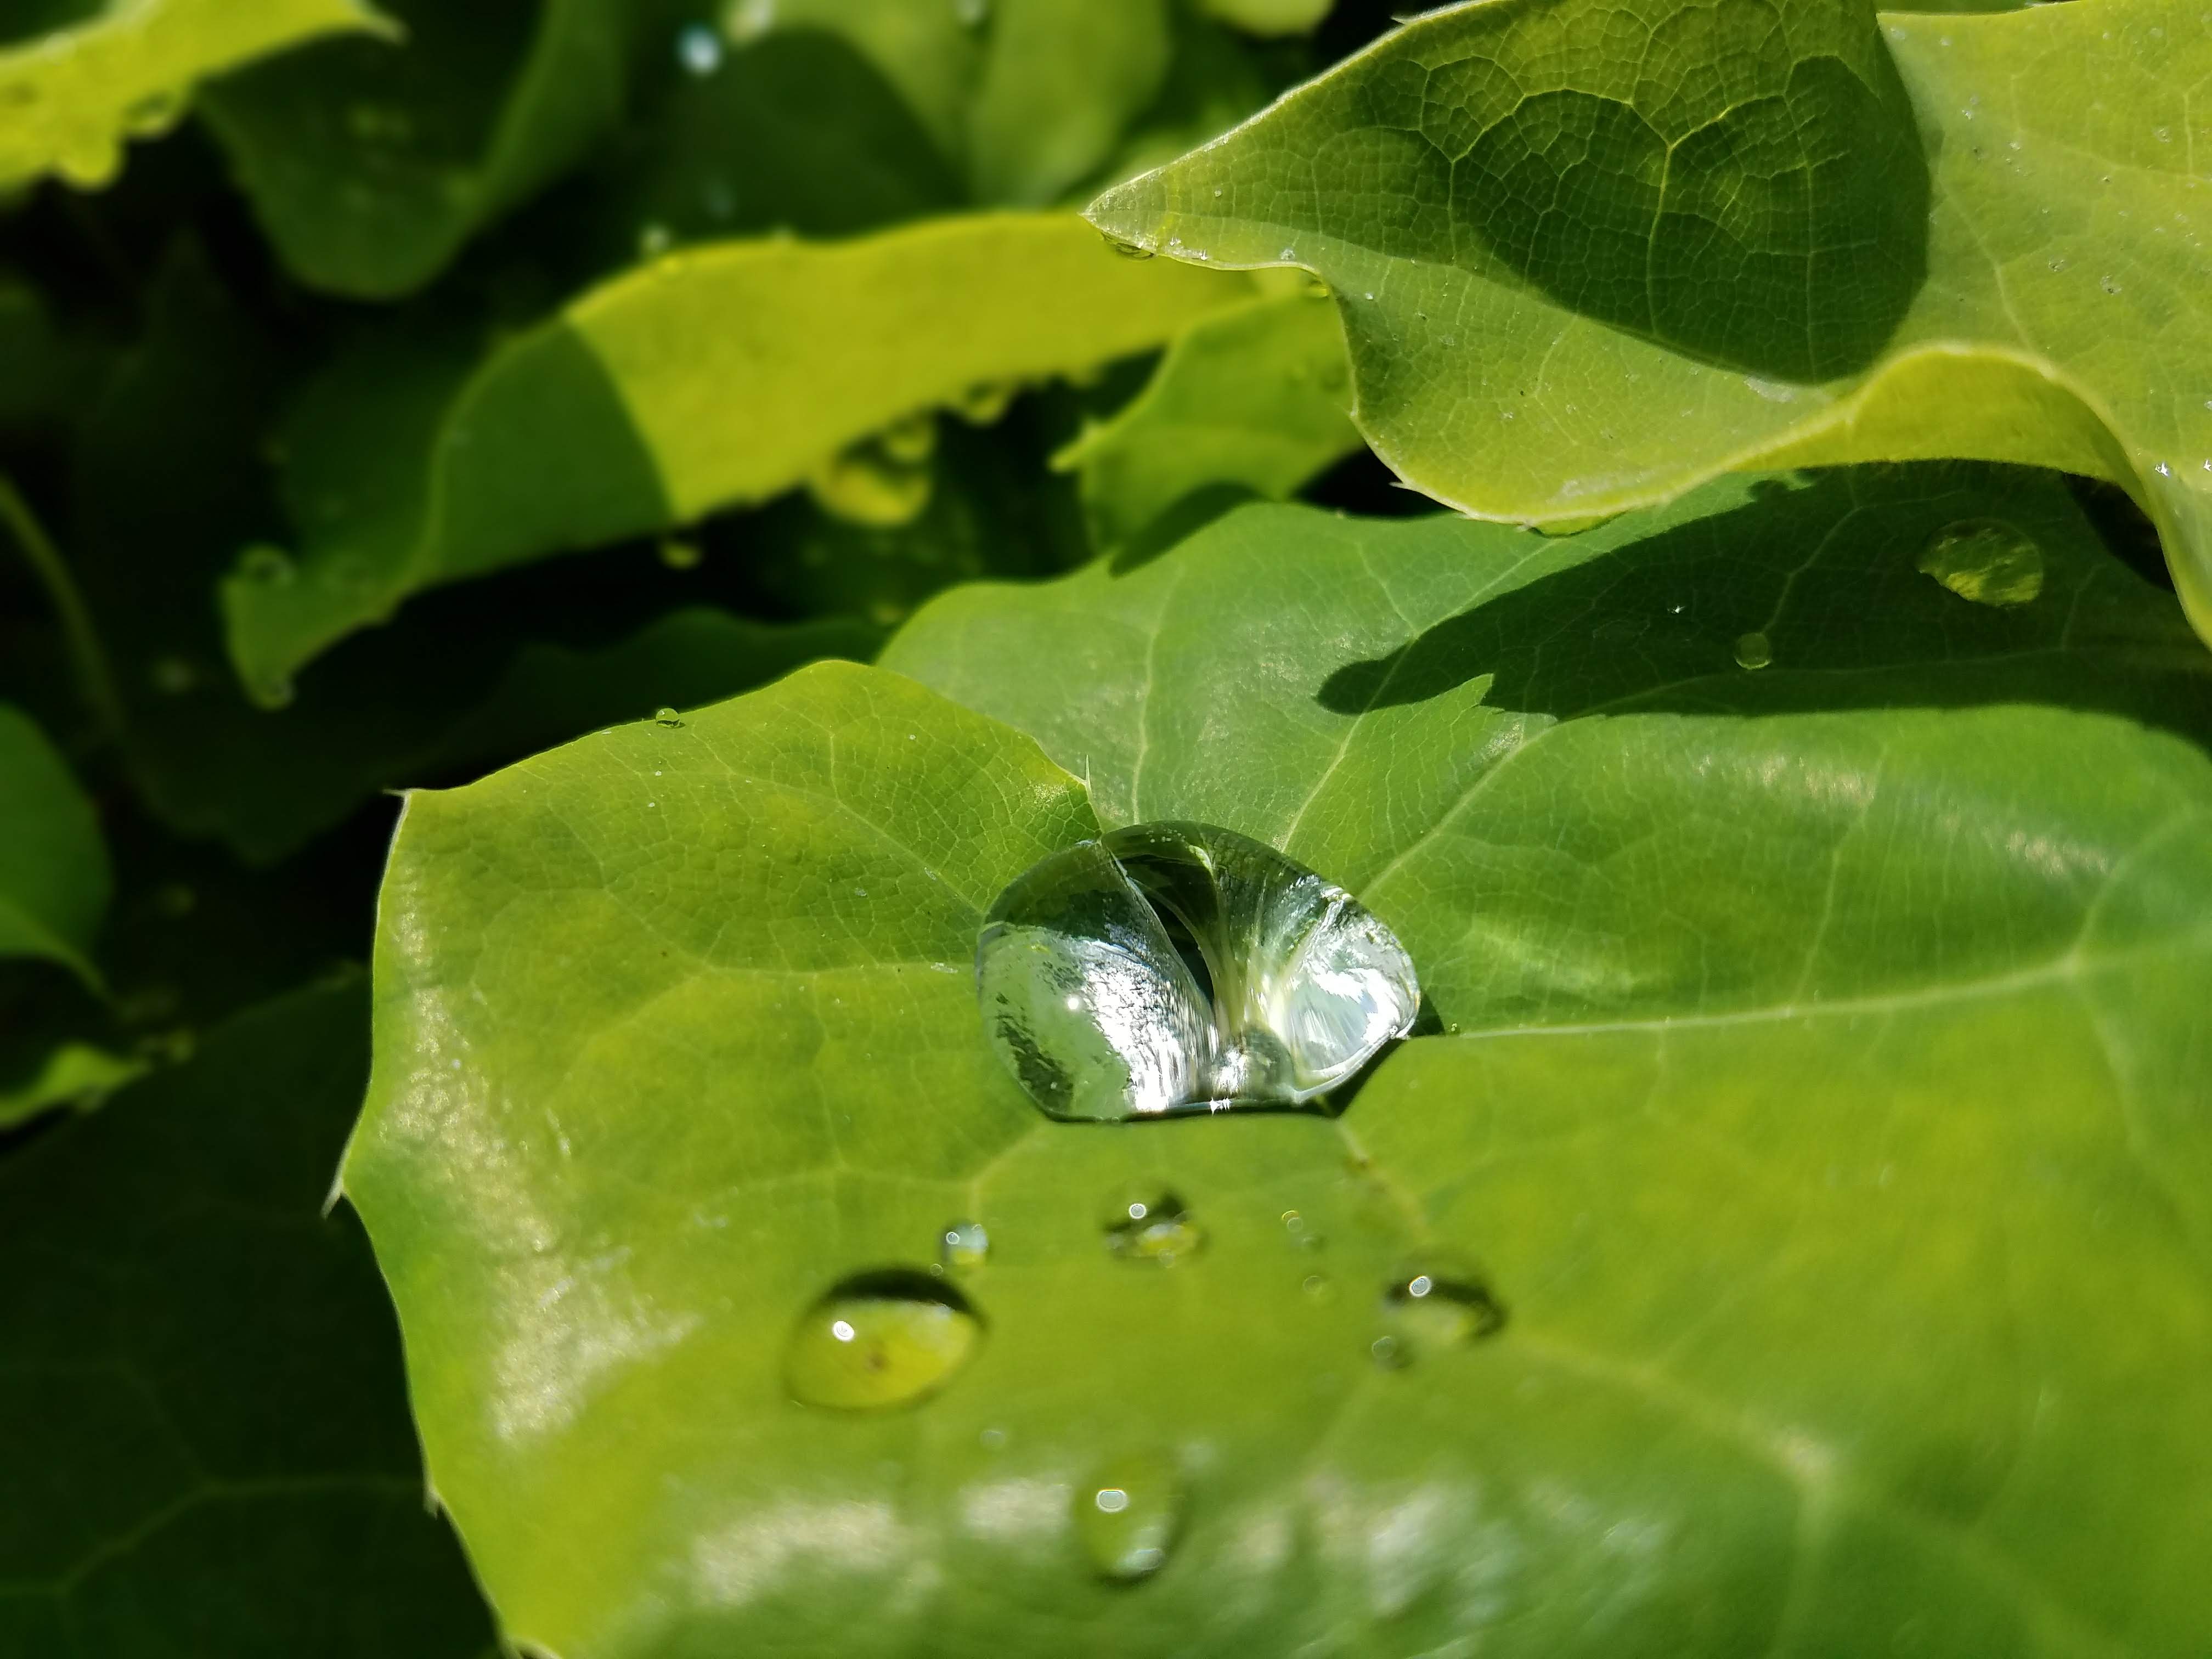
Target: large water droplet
{"type": "Point", "coordinates": [965, 1246]}
{"type": "Point", "coordinates": [1434, 1304]}
{"type": "Point", "coordinates": [1128, 1514]}
{"type": "Point", "coordinates": [1985, 560]}
{"type": "Point", "coordinates": [1753, 650]}
{"type": "Point", "coordinates": [1151, 1224]}
{"type": "Point", "coordinates": [1176, 966]}
{"type": "Point", "coordinates": [880, 1340]}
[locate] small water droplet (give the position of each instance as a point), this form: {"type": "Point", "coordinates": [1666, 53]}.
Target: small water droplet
{"type": "Point", "coordinates": [665, 717]}
{"type": "Point", "coordinates": [986, 402]}
{"type": "Point", "coordinates": [1389, 1354]}
{"type": "Point", "coordinates": [1987, 561]}
{"type": "Point", "coordinates": [1753, 650]}
{"type": "Point", "coordinates": [1150, 1224]}
{"type": "Point", "coordinates": [1176, 966]}
{"type": "Point", "coordinates": [2058, 262]}
{"type": "Point", "coordinates": [1439, 1302]}
{"type": "Point", "coordinates": [880, 1339]}
{"type": "Point", "coordinates": [1127, 1515]}
{"type": "Point", "coordinates": [992, 1439]}
{"type": "Point", "coordinates": [964, 1245]}
{"type": "Point", "coordinates": [155, 113]}
{"type": "Point", "coordinates": [267, 567]}
{"type": "Point", "coordinates": [1319, 1287]}
{"type": "Point", "coordinates": [2163, 135]}
{"type": "Point", "coordinates": [699, 49]}
{"type": "Point", "coordinates": [2110, 284]}
{"type": "Point", "coordinates": [1129, 250]}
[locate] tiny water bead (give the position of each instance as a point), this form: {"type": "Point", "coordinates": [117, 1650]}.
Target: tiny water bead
{"type": "Point", "coordinates": [1176, 966]}
{"type": "Point", "coordinates": [1987, 561]}
{"type": "Point", "coordinates": [965, 1246]}
{"type": "Point", "coordinates": [1436, 1305]}
{"type": "Point", "coordinates": [1151, 1224]}
{"type": "Point", "coordinates": [880, 1340]}
{"type": "Point", "coordinates": [1127, 1515]}
{"type": "Point", "coordinates": [667, 717]}
{"type": "Point", "coordinates": [1753, 650]}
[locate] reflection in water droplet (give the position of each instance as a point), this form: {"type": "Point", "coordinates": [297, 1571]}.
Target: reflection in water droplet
{"type": "Point", "coordinates": [880, 1339]}
{"type": "Point", "coordinates": [665, 717]}
{"type": "Point", "coordinates": [964, 1245]}
{"type": "Point", "coordinates": [1753, 650]}
{"type": "Point", "coordinates": [1128, 1514]}
{"type": "Point", "coordinates": [699, 49]}
{"type": "Point", "coordinates": [1985, 560]}
{"type": "Point", "coordinates": [1436, 1303]}
{"type": "Point", "coordinates": [1149, 1225]}
{"type": "Point", "coordinates": [1175, 967]}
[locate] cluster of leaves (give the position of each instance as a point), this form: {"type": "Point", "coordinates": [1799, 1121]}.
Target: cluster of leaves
{"type": "Point", "coordinates": [708, 453]}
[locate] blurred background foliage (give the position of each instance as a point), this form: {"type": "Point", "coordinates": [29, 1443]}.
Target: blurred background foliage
{"type": "Point", "coordinates": [249, 267]}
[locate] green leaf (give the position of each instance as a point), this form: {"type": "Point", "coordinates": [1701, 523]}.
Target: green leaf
{"type": "Point", "coordinates": [370, 164]}
{"type": "Point", "coordinates": [54, 880]}
{"type": "Point", "coordinates": [1827, 1111]}
{"type": "Point", "coordinates": [222, 1460]}
{"type": "Point", "coordinates": [1252, 399]}
{"type": "Point", "coordinates": [1030, 106]}
{"type": "Point", "coordinates": [71, 1074]}
{"type": "Point", "coordinates": [74, 97]}
{"type": "Point", "coordinates": [1505, 363]}
{"type": "Point", "coordinates": [1269, 16]}
{"type": "Point", "coordinates": [707, 379]}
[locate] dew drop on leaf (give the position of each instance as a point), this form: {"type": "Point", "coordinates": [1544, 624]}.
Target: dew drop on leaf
{"type": "Point", "coordinates": [1987, 561]}
{"type": "Point", "coordinates": [1151, 1224]}
{"type": "Point", "coordinates": [1127, 1515]}
{"type": "Point", "coordinates": [1753, 650]}
{"type": "Point", "coordinates": [665, 717]}
{"type": "Point", "coordinates": [1129, 250]}
{"type": "Point", "coordinates": [964, 1245]}
{"type": "Point", "coordinates": [1438, 1304]}
{"type": "Point", "coordinates": [1175, 967]}
{"type": "Point", "coordinates": [880, 1339]}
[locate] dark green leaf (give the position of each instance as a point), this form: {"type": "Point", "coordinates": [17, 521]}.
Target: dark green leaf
{"type": "Point", "coordinates": [53, 870]}
{"type": "Point", "coordinates": [370, 163]}
{"type": "Point", "coordinates": [211, 1452]}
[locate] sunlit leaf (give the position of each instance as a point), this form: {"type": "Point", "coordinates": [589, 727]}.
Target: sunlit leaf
{"type": "Point", "coordinates": [1822, 1109]}
{"type": "Point", "coordinates": [74, 97]}
{"type": "Point", "coordinates": [707, 378]}
{"type": "Point", "coordinates": [1523, 350]}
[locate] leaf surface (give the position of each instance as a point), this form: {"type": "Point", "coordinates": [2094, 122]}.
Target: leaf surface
{"type": "Point", "coordinates": [212, 1452]}
{"type": "Point", "coordinates": [1823, 1099]}
{"type": "Point", "coordinates": [370, 164]}
{"type": "Point", "coordinates": [1544, 329]}
{"type": "Point", "coordinates": [54, 880]}
{"type": "Point", "coordinates": [76, 96]}
{"type": "Point", "coordinates": [1254, 399]}
{"type": "Point", "coordinates": [707, 378]}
